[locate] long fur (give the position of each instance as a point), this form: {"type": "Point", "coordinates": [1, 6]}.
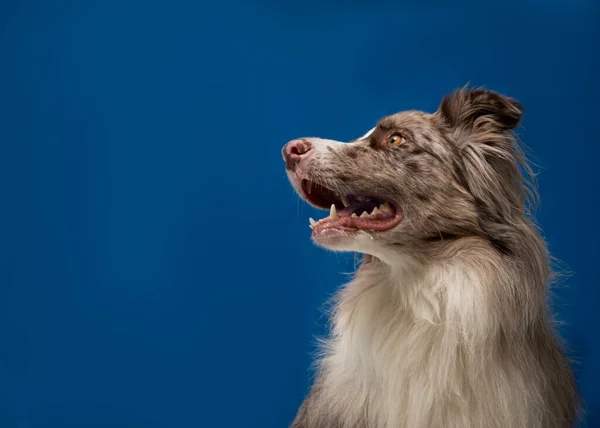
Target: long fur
{"type": "Point", "coordinates": [446, 322]}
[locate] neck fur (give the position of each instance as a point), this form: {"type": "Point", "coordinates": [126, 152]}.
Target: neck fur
{"type": "Point", "coordinates": [446, 330]}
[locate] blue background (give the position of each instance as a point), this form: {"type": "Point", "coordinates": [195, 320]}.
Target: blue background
{"type": "Point", "coordinates": [155, 265]}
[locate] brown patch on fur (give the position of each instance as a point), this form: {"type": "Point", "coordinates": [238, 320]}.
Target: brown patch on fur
{"type": "Point", "coordinates": [413, 166]}
{"type": "Point", "coordinates": [352, 153]}
{"type": "Point", "coordinates": [422, 197]}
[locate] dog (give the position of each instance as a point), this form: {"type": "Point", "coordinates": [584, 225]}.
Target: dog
{"type": "Point", "coordinates": [446, 322]}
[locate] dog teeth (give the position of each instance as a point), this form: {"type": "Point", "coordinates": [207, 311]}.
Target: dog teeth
{"type": "Point", "coordinates": [382, 209]}
{"type": "Point", "coordinates": [309, 187]}
{"type": "Point", "coordinates": [332, 213]}
{"type": "Point", "coordinates": [385, 207]}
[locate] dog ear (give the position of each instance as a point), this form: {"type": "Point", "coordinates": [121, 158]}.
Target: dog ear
{"type": "Point", "coordinates": [476, 107]}
{"type": "Point", "coordinates": [495, 169]}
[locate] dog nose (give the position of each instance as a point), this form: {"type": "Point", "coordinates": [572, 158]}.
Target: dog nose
{"type": "Point", "coordinates": [294, 151]}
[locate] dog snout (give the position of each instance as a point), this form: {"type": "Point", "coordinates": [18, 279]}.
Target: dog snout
{"type": "Point", "coordinates": [295, 151]}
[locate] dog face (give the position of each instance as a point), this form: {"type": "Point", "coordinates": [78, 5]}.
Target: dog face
{"type": "Point", "coordinates": [416, 178]}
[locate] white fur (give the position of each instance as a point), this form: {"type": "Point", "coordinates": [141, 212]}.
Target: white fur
{"type": "Point", "coordinates": [368, 134]}
{"type": "Point", "coordinates": [399, 349]}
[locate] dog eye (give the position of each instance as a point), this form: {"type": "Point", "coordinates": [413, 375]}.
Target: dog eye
{"type": "Point", "coordinates": [396, 140]}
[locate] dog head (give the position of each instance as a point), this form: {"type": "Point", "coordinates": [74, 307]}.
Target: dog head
{"type": "Point", "coordinates": [417, 178]}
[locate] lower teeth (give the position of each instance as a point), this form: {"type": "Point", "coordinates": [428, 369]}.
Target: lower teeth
{"type": "Point", "coordinates": [384, 208]}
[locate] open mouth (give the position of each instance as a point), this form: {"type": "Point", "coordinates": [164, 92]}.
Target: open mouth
{"type": "Point", "coordinates": [350, 213]}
